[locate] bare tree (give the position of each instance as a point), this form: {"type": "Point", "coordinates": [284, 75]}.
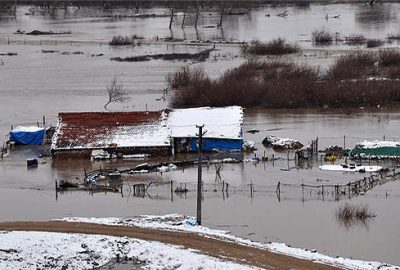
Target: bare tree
{"type": "Point", "coordinates": [222, 11]}
{"type": "Point", "coordinates": [184, 16]}
{"type": "Point", "coordinates": [171, 16]}
{"type": "Point", "coordinates": [197, 9]}
{"type": "Point", "coordinates": [116, 92]}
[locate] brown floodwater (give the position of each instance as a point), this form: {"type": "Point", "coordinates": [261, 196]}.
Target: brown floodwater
{"type": "Point", "coordinates": [34, 83]}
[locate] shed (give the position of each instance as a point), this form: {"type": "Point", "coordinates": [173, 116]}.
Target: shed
{"type": "Point", "coordinates": [78, 134]}
{"type": "Point", "coordinates": [222, 128]}
{"type": "Point", "coordinates": [376, 149]}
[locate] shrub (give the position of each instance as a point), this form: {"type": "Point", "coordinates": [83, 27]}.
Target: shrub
{"type": "Point", "coordinates": [391, 37]}
{"type": "Point", "coordinates": [185, 76]}
{"type": "Point", "coordinates": [322, 37]}
{"type": "Point", "coordinates": [355, 40]}
{"type": "Point", "coordinates": [353, 66]}
{"type": "Point", "coordinates": [373, 43]}
{"type": "Point", "coordinates": [274, 47]}
{"type": "Point", "coordinates": [279, 84]}
{"type": "Point", "coordinates": [125, 40]}
{"type": "Point", "coordinates": [389, 57]}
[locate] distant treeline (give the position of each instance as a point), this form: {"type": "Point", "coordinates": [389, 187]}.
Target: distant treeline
{"type": "Point", "coordinates": [233, 3]}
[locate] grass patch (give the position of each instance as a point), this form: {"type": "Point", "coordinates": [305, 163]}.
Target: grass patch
{"type": "Point", "coordinates": [349, 214]}
{"type": "Point", "coordinates": [274, 47]}
{"type": "Point", "coordinates": [200, 56]}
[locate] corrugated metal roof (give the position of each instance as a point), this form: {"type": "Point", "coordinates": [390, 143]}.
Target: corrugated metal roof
{"type": "Point", "coordinates": [104, 129]}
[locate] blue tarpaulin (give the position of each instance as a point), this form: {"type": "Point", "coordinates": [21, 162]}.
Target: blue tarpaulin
{"type": "Point", "coordinates": [211, 144]}
{"type": "Point", "coordinates": [27, 135]}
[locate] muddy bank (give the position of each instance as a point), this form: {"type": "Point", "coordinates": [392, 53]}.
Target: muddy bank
{"type": "Point", "coordinates": [220, 249]}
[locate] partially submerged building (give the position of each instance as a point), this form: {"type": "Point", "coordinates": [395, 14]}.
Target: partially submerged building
{"type": "Point", "coordinates": [78, 134]}
{"type": "Point", "coordinates": [376, 150]}
{"type": "Point", "coordinates": [222, 128]}
{"type": "Point", "coordinates": [158, 133]}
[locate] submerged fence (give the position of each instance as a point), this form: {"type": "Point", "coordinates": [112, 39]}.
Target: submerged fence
{"type": "Point", "coordinates": [280, 191]}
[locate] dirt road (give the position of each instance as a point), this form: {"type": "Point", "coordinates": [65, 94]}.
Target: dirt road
{"type": "Point", "coordinates": [220, 249]}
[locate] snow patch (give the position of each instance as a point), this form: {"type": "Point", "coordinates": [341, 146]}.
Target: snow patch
{"type": "Point", "coordinates": [46, 250]}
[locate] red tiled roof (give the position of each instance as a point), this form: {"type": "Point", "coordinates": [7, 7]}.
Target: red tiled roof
{"type": "Point", "coordinates": [89, 128]}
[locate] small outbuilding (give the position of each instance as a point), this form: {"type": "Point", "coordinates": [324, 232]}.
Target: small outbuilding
{"type": "Point", "coordinates": [222, 128]}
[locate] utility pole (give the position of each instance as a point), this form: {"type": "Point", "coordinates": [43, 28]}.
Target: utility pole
{"type": "Point", "coordinates": [199, 181]}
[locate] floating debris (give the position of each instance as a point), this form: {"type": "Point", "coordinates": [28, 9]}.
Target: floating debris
{"type": "Point", "coordinates": [280, 144]}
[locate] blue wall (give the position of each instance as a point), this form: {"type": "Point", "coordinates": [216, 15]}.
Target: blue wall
{"type": "Point", "coordinates": [210, 144]}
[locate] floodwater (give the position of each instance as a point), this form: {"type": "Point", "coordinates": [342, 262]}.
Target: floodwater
{"type": "Point", "coordinates": [34, 83]}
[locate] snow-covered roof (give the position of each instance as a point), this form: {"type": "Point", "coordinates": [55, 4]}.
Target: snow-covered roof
{"type": "Point", "coordinates": [376, 144]}
{"type": "Point", "coordinates": [93, 130]}
{"type": "Point", "coordinates": [222, 122]}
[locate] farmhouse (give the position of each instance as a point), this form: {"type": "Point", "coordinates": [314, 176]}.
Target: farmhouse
{"type": "Point", "coordinates": [78, 134]}
{"type": "Point", "coordinates": [159, 133]}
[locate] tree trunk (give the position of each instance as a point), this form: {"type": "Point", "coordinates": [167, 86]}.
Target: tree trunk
{"type": "Point", "coordinates": [221, 15]}
{"type": "Point", "coordinates": [184, 17]}
{"type": "Point", "coordinates": [171, 18]}
{"type": "Point", "coordinates": [197, 16]}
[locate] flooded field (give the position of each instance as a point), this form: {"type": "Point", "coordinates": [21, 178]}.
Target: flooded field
{"type": "Point", "coordinates": [36, 82]}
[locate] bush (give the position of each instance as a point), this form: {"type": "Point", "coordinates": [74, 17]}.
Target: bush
{"type": "Point", "coordinates": [391, 37]}
{"type": "Point", "coordinates": [279, 84]}
{"type": "Point", "coordinates": [274, 47]}
{"type": "Point", "coordinates": [124, 41]}
{"type": "Point", "coordinates": [355, 40]}
{"type": "Point", "coordinates": [389, 57]}
{"type": "Point", "coordinates": [373, 43]}
{"type": "Point", "coordinates": [353, 66]}
{"type": "Point", "coordinates": [185, 76]}
{"type": "Point", "coordinates": [321, 37]}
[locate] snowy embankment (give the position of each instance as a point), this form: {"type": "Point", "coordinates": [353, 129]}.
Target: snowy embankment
{"type": "Point", "coordinates": [180, 223]}
{"type": "Point", "coordinates": [46, 250]}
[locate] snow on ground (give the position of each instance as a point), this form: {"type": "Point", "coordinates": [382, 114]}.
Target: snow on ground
{"type": "Point", "coordinates": [376, 144]}
{"type": "Point", "coordinates": [350, 168]}
{"type": "Point", "coordinates": [45, 250]}
{"type": "Point", "coordinates": [176, 222]}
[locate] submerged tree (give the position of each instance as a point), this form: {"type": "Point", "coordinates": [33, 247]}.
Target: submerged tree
{"type": "Point", "coordinates": [116, 92]}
